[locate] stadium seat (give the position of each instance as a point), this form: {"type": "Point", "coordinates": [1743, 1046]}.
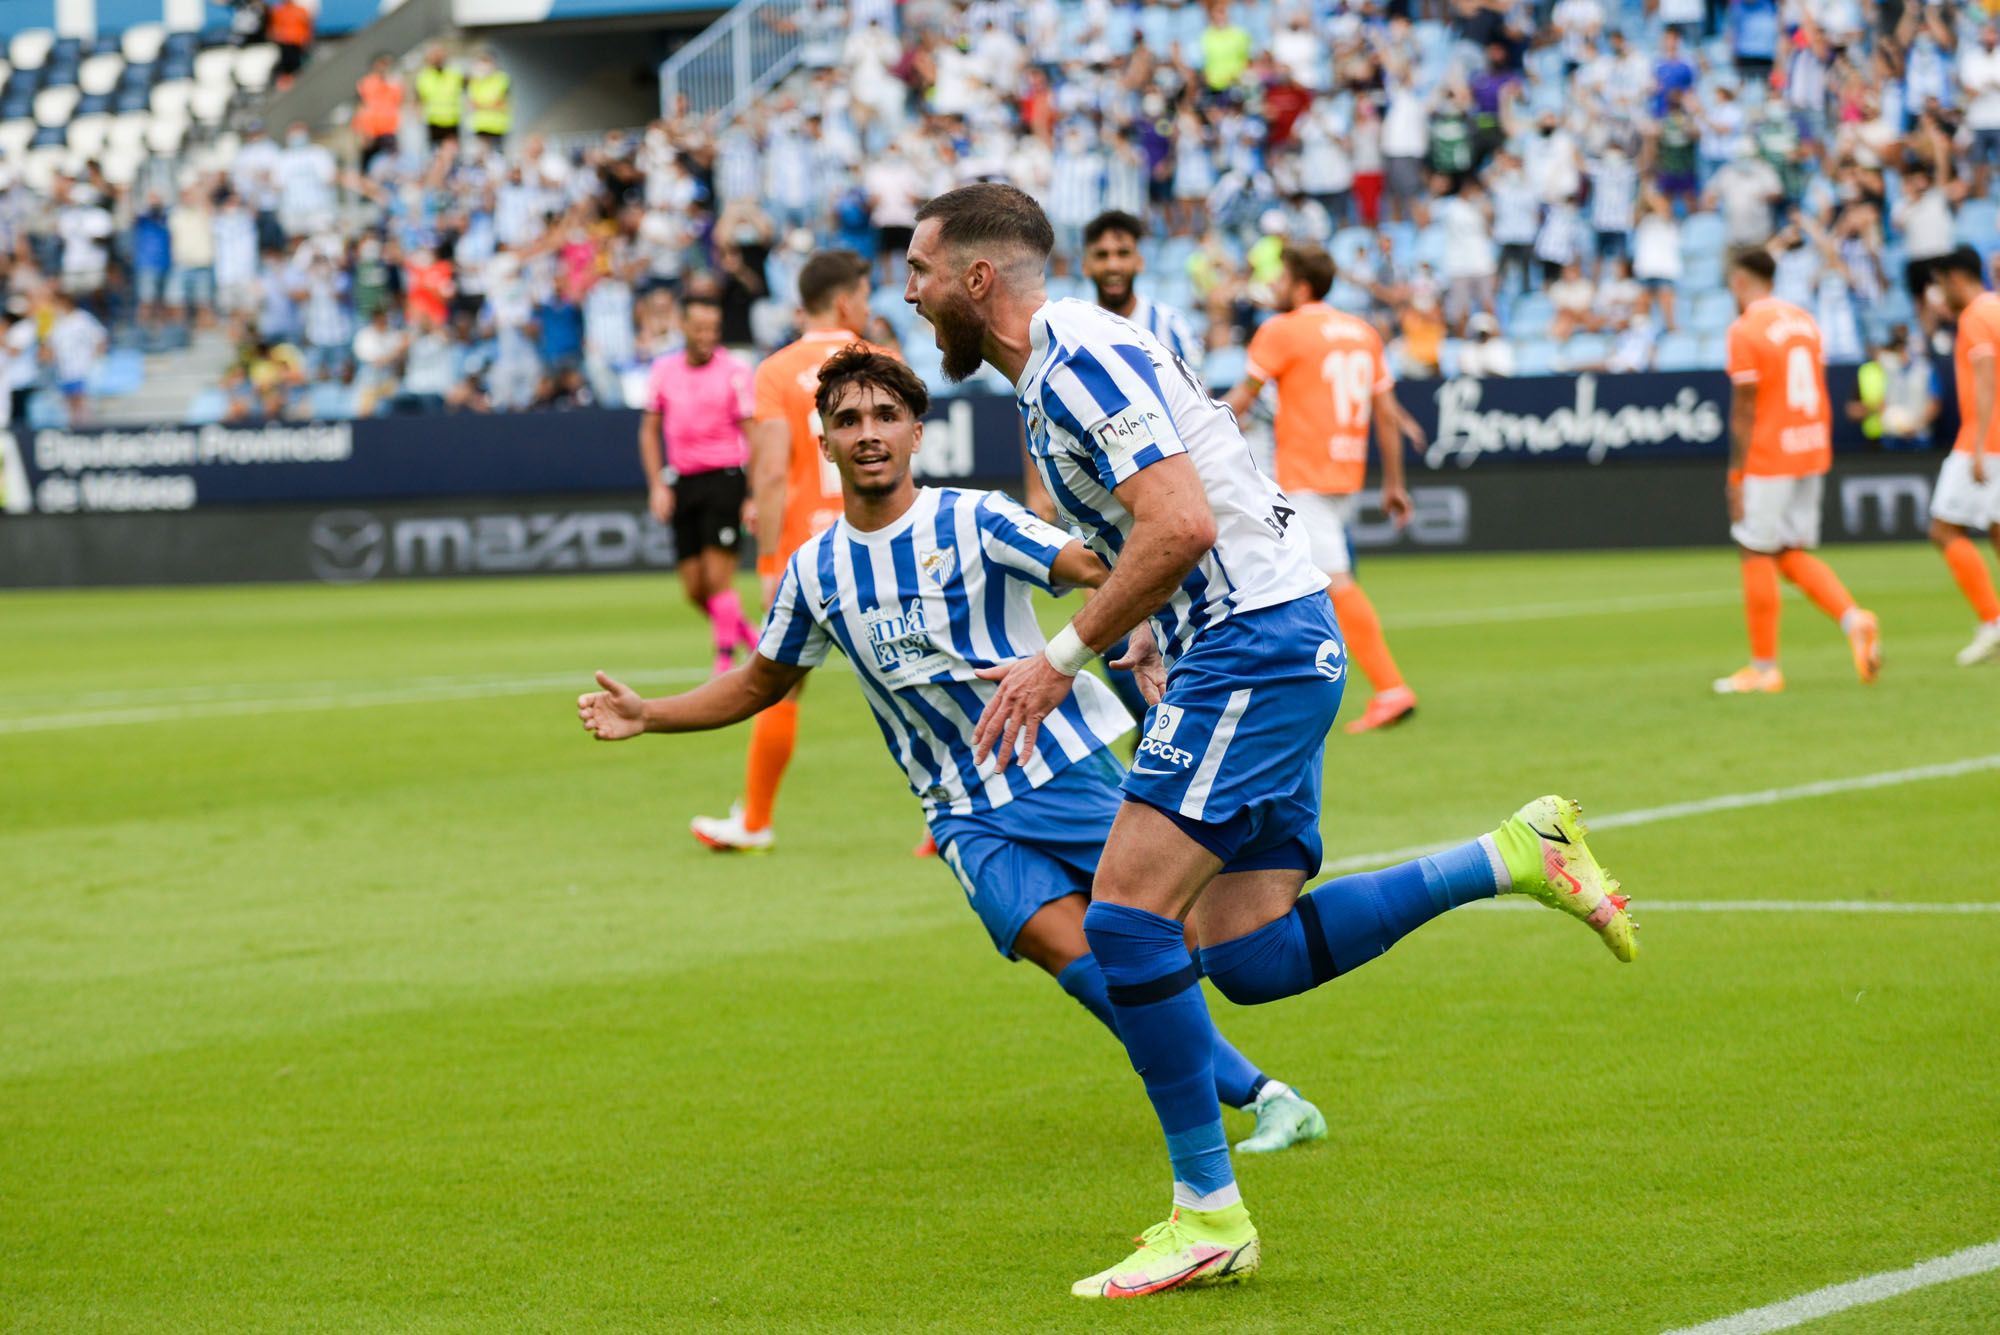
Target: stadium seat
{"type": "Point", "coordinates": [1534, 356]}
{"type": "Point", "coordinates": [1678, 351]}
{"type": "Point", "coordinates": [1348, 297]}
{"type": "Point", "coordinates": [48, 136]}
{"type": "Point", "coordinates": [1224, 368]}
{"type": "Point", "coordinates": [1702, 234]}
{"type": "Point", "coordinates": [1701, 273]}
{"type": "Point", "coordinates": [165, 135]}
{"type": "Point", "coordinates": [53, 106]}
{"type": "Point", "coordinates": [1714, 352]}
{"type": "Point", "coordinates": [30, 48]}
{"type": "Point", "coordinates": [216, 67]}
{"type": "Point", "coordinates": [87, 134]}
{"type": "Point", "coordinates": [126, 131]}
{"type": "Point", "coordinates": [207, 407]}
{"type": "Point", "coordinates": [1583, 351]}
{"type": "Point", "coordinates": [170, 99]}
{"type": "Point", "coordinates": [1710, 311]}
{"type": "Point", "coordinates": [141, 42]}
{"type": "Point", "coordinates": [208, 103]}
{"type": "Point", "coordinates": [1448, 354]}
{"type": "Point", "coordinates": [65, 57]}
{"type": "Point", "coordinates": [1976, 221]}
{"type": "Point", "coordinates": [254, 66]}
{"type": "Point", "coordinates": [1532, 314]}
{"type": "Point", "coordinates": [1352, 245]}
{"type": "Point", "coordinates": [98, 76]}
{"type": "Point", "coordinates": [121, 165]}
{"type": "Point", "coordinates": [14, 137]}
{"type": "Point", "coordinates": [121, 372]}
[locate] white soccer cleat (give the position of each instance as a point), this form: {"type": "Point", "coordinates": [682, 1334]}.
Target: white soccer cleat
{"type": "Point", "coordinates": [725, 834]}
{"type": "Point", "coordinates": [1985, 645]}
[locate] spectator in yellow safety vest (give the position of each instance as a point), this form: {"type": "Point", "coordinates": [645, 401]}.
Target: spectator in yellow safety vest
{"type": "Point", "coordinates": [441, 93]}
{"type": "Point", "coordinates": [492, 96]}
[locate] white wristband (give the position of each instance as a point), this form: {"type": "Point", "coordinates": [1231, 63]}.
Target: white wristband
{"type": "Point", "coordinates": [1067, 653]}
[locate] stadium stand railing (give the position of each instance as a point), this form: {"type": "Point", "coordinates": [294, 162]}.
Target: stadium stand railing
{"type": "Point", "coordinates": [742, 54]}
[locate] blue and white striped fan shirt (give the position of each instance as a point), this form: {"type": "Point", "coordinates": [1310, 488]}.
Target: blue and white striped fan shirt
{"type": "Point", "coordinates": [1170, 326]}
{"type": "Point", "coordinates": [1104, 399]}
{"type": "Point", "coordinates": [918, 607]}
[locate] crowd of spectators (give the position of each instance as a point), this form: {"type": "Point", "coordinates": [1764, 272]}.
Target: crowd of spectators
{"type": "Point", "coordinates": [1507, 187]}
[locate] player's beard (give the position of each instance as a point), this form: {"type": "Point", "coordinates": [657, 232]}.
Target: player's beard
{"type": "Point", "coordinates": [960, 332]}
{"type": "Point", "coordinates": [1113, 290]}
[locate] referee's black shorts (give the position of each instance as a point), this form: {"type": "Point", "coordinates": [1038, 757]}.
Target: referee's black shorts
{"type": "Point", "coordinates": [708, 511]}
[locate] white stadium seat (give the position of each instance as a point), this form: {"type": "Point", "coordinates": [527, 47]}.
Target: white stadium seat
{"type": "Point", "coordinates": [142, 42]}
{"type": "Point", "coordinates": [87, 134]}
{"type": "Point", "coordinates": [14, 137]}
{"type": "Point", "coordinates": [216, 67]}
{"type": "Point", "coordinates": [40, 166]}
{"type": "Point", "coordinates": [30, 48]}
{"type": "Point", "coordinates": [128, 131]}
{"type": "Point", "coordinates": [121, 165]}
{"type": "Point", "coordinates": [98, 75]}
{"type": "Point", "coordinates": [254, 66]}
{"type": "Point", "coordinates": [54, 106]}
{"type": "Point", "coordinates": [165, 134]}
{"type": "Point", "coordinates": [171, 98]}
{"type": "Point", "coordinates": [208, 104]}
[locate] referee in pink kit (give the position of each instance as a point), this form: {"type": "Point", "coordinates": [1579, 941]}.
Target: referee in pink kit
{"type": "Point", "coordinates": [698, 403]}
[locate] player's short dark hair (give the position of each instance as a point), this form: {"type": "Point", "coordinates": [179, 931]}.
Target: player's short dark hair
{"type": "Point", "coordinates": [1311, 265]}
{"type": "Point", "coordinates": [859, 364]}
{"type": "Point", "coordinates": [1963, 260]}
{"type": "Point", "coordinates": [1757, 262]}
{"type": "Point", "coordinates": [1113, 220]}
{"type": "Point", "coordinates": [990, 211]}
{"type": "Point", "coordinates": [826, 275]}
{"type": "Point", "coordinates": [694, 299]}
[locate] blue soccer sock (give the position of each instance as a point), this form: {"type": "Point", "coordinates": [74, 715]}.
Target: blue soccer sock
{"type": "Point", "coordinates": [1155, 992]}
{"type": "Point", "coordinates": [1345, 923]}
{"type": "Point", "coordinates": [1236, 1079]}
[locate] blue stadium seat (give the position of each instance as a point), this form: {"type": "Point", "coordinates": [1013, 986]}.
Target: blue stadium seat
{"type": "Point", "coordinates": [122, 372]}
{"type": "Point", "coordinates": [1702, 234]}
{"type": "Point", "coordinates": [1532, 314]}
{"type": "Point", "coordinates": [1714, 352]}
{"type": "Point", "coordinates": [1583, 350]}
{"type": "Point", "coordinates": [1534, 356]}
{"type": "Point", "coordinates": [1351, 245]}
{"type": "Point", "coordinates": [1976, 219]}
{"type": "Point", "coordinates": [1347, 296]}
{"type": "Point", "coordinates": [1701, 273]}
{"type": "Point", "coordinates": [1223, 368]}
{"type": "Point", "coordinates": [1710, 311]}
{"type": "Point", "coordinates": [207, 407]}
{"type": "Point", "coordinates": [1448, 354]}
{"type": "Point", "coordinates": [330, 401]}
{"type": "Point", "coordinates": [1678, 351]}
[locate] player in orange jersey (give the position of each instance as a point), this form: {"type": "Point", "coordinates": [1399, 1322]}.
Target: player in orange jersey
{"type": "Point", "coordinates": [1780, 446]}
{"type": "Point", "coordinates": [1333, 388]}
{"type": "Point", "coordinates": [1967, 499]}
{"type": "Point", "coordinates": [796, 493]}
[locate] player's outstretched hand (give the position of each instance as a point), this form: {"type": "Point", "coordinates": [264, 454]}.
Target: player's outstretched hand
{"type": "Point", "coordinates": [612, 714]}
{"type": "Point", "coordinates": [1142, 659]}
{"type": "Point", "coordinates": [1030, 690]}
{"type": "Point", "coordinates": [1396, 504]}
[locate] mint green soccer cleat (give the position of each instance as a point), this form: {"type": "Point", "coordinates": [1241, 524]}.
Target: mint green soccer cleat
{"type": "Point", "coordinates": [1193, 1248]}
{"type": "Point", "coordinates": [1283, 1120]}
{"type": "Point", "coordinates": [1542, 845]}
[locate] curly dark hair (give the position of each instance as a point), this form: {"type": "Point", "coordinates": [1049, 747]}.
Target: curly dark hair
{"type": "Point", "coordinates": [859, 364]}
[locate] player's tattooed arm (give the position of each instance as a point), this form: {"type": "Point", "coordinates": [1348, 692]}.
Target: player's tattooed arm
{"type": "Point", "coordinates": [616, 711]}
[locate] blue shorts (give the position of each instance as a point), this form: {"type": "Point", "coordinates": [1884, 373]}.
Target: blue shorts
{"type": "Point", "coordinates": [1039, 847]}
{"type": "Point", "coordinates": [1232, 754]}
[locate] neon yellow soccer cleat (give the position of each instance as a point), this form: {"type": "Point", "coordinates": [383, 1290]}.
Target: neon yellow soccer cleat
{"type": "Point", "coordinates": [1192, 1249]}
{"type": "Point", "coordinates": [1543, 847]}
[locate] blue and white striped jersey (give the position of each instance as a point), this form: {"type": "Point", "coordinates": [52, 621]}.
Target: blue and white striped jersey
{"type": "Point", "coordinates": [1104, 399]}
{"type": "Point", "coordinates": [918, 607]}
{"type": "Point", "coordinates": [1170, 326]}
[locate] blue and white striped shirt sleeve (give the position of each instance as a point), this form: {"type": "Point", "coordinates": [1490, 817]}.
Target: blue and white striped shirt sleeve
{"type": "Point", "coordinates": [1012, 536]}
{"type": "Point", "coordinates": [1113, 407]}
{"type": "Point", "coordinates": [791, 635]}
{"type": "Point", "coordinates": [1183, 340]}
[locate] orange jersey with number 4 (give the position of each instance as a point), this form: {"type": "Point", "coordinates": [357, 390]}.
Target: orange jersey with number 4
{"type": "Point", "coordinates": [783, 390]}
{"type": "Point", "coordinates": [1328, 367]}
{"type": "Point", "coordinates": [1776, 347]}
{"type": "Point", "coordinates": [1978, 340]}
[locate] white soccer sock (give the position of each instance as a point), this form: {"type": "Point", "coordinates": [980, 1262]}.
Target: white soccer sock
{"type": "Point", "coordinates": [1503, 879]}
{"type": "Point", "coordinates": [1187, 1198]}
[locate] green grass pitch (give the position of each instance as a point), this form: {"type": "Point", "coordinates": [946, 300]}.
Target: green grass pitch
{"type": "Point", "coordinates": [345, 985]}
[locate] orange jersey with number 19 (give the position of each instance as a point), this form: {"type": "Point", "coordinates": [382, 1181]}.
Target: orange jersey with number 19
{"type": "Point", "coordinates": [784, 389]}
{"type": "Point", "coordinates": [1776, 347]}
{"type": "Point", "coordinates": [1328, 367]}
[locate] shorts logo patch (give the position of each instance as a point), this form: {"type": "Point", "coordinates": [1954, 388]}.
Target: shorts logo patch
{"type": "Point", "coordinates": [1331, 660]}
{"type": "Point", "coordinates": [939, 566]}
{"type": "Point", "coordinates": [1158, 743]}
{"type": "Point", "coordinates": [728, 537]}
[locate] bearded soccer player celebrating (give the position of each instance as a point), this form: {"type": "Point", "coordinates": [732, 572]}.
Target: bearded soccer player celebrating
{"type": "Point", "coordinates": [1967, 499]}
{"type": "Point", "coordinates": [922, 590]}
{"type": "Point", "coordinates": [796, 491]}
{"type": "Point", "coordinates": [1334, 387]}
{"type": "Point", "coordinates": [1221, 813]}
{"type": "Point", "coordinates": [1780, 447]}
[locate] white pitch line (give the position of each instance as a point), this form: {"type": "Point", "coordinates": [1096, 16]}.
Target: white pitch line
{"type": "Point", "coordinates": [1649, 906]}
{"type": "Point", "coordinates": [1856, 1293]}
{"type": "Point", "coordinates": [1479, 616]}
{"type": "Point", "coordinates": [422, 691]}
{"type": "Point", "coordinates": [1763, 797]}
